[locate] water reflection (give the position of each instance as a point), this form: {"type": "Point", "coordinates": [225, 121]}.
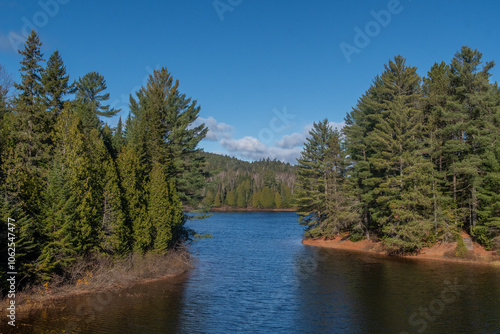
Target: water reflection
{"type": "Point", "coordinates": [255, 276]}
{"type": "Point", "coordinates": [357, 293]}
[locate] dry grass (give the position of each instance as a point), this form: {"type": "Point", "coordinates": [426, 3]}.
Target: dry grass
{"type": "Point", "coordinates": [101, 273]}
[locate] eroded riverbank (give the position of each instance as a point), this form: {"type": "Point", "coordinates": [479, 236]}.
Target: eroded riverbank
{"type": "Point", "coordinates": [102, 277]}
{"type": "Point", "coordinates": [440, 251]}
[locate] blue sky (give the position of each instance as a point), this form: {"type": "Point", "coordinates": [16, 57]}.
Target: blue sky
{"type": "Point", "coordinates": [262, 71]}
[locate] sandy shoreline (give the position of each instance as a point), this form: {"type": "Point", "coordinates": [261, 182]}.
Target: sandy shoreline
{"type": "Point", "coordinates": [479, 255]}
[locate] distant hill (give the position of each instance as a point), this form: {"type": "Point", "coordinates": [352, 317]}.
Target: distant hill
{"type": "Point", "coordinates": [233, 183]}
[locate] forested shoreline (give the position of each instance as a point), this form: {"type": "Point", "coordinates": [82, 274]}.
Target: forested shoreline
{"type": "Point", "coordinates": [258, 185]}
{"type": "Point", "coordinates": [79, 189]}
{"type": "Point", "coordinates": [417, 161]}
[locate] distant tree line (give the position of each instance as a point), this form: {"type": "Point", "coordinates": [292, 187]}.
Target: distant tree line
{"type": "Point", "coordinates": [77, 187]}
{"type": "Point", "coordinates": [264, 184]}
{"type": "Point", "coordinates": [418, 160]}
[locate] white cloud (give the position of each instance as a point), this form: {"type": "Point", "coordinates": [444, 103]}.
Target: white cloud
{"type": "Point", "coordinates": [286, 149]}
{"type": "Point", "coordinates": [298, 139]}
{"type": "Point", "coordinates": [337, 125]}
{"type": "Point", "coordinates": [216, 130]}
{"type": "Point", "coordinates": [253, 149]}
{"type": "Point", "coordinates": [293, 140]}
{"type": "Point", "coordinates": [245, 144]}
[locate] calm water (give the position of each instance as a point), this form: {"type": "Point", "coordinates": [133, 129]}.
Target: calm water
{"type": "Point", "coordinates": [255, 276]}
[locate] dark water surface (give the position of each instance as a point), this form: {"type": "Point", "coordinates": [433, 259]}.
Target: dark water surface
{"type": "Point", "coordinates": [255, 276]}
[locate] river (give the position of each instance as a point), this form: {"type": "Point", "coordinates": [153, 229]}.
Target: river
{"type": "Point", "coordinates": [255, 276]}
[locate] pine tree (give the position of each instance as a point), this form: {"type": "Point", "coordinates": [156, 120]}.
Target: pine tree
{"type": "Point", "coordinates": [277, 200]}
{"type": "Point", "coordinates": [55, 83]}
{"type": "Point", "coordinates": [6, 115]}
{"type": "Point", "coordinates": [89, 90]}
{"type": "Point", "coordinates": [58, 253]}
{"type": "Point", "coordinates": [217, 200]}
{"type": "Point", "coordinates": [287, 196]}
{"type": "Point", "coordinates": [116, 232]}
{"type": "Point", "coordinates": [164, 209]}
{"type": "Point", "coordinates": [472, 110]}
{"type": "Point", "coordinates": [320, 196]}
{"type": "Point", "coordinates": [311, 184]}
{"type": "Point", "coordinates": [360, 122]}
{"type": "Point", "coordinates": [403, 187]}
{"type": "Point", "coordinates": [208, 200]}
{"type": "Point", "coordinates": [267, 198]}
{"type": "Point", "coordinates": [255, 200]}
{"type": "Point", "coordinates": [241, 195]}
{"type": "Point", "coordinates": [26, 161]}
{"type": "Point", "coordinates": [118, 137]}
{"type": "Point", "coordinates": [231, 198]}
{"type": "Point", "coordinates": [163, 123]}
{"type": "Point", "coordinates": [134, 183]}
{"type": "Point", "coordinates": [437, 95]}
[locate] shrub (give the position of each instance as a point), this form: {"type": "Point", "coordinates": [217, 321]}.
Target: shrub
{"type": "Point", "coordinates": [461, 250]}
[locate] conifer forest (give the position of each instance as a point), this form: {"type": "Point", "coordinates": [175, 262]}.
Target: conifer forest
{"type": "Point", "coordinates": [417, 162]}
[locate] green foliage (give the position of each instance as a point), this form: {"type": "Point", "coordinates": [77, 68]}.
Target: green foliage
{"type": "Point", "coordinates": [55, 83]}
{"type": "Point", "coordinates": [241, 184]}
{"type": "Point", "coordinates": [461, 250]}
{"type": "Point", "coordinates": [421, 159]}
{"type": "Point", "coordinates": [324, 206]}
{"type": "Point", "coordinates": [88, 91]}
{"type": "Point", "coordinates": [164, 209]}
{"type": "Point", "coordinates": [277, 200]}
{"type": "Point", "coordinates": [356, 236]}
{"type": "Point", "coordinates": [162, 123]}
{"type": "Point", "coordinates": [77, 188]}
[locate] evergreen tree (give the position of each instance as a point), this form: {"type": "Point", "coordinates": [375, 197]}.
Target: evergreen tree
{"type": "Point", "coordinates": [217, 200]}
{"type": "Point", "coordinates": [436, 89]}
{"type": "Point", "coordinates": [321, 201]}
{"type": "Point", "coordinates": [134, 183]}
{"type": "Point", "coordinates": [164, 209]}
{"type": "Point", "coordinates": [472, 109]}
{"type": "Point", "coordinates": [118, 137]}
{"type": "Point", "coordinates": [360, 122]}
{"type": "Point", "coordinates": [256, 200]}
{"type": "Point", "coordinates": [208, 200]}
{"type": "Point", "coordinates": [6, 115]}
{"type": "Point", "coordinates": [27, 159]}
{"type": "Point", "coordinates": [163, 123]}
{"type": "Point", "coordinates": [116, 232]}
{"type": "Point", "coordinates": [231, 198]}
{"type": "Point", "coordinates": [89, 90]}
{"type": "Point", "coordinates": [267, 198]}
{"type": "Point", "coordinates": [55, 83]}
{"type": "Point", "coordinates": [277, 200]}
{"type": "Point", "coordinates": [403, 185]}
{"type": "Point", "coordinates": [241, 195]}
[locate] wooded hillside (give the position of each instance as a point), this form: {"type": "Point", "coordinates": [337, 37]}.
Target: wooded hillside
{"type": "Point", "coordinates": [241, 184]}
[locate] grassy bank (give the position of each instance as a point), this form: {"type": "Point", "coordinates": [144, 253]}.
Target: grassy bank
{"type": "Point", "coordinates": [99, 274]}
